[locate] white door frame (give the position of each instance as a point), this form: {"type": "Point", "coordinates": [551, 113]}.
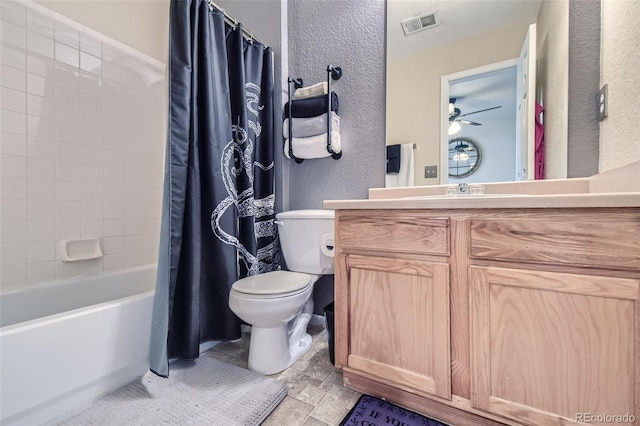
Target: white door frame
{"type": "Point", "coordinates": [445, 80]}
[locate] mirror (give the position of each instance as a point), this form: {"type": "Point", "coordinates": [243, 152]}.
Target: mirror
{"type": "Point", "coordinates": [446, 37]}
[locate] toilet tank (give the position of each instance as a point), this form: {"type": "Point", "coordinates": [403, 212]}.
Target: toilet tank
{"type": "Point", "coordinates": [307, 240]}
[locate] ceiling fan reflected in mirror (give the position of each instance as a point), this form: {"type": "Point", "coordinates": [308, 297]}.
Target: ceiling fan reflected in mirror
{"type": "Point", "coordinates": [455, 115]}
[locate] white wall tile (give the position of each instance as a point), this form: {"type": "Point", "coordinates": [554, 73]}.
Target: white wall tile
{"type": "Point", "coordinates": [90, 63]}
{"type": "Point", "coordinates": [82, 149]}
{"type": "Point", "coordinates": [113, 193]}
{"type": "Point", "coordinates": [13, 210]}
{"type": "Point", "coordinates": [13, 144]}
{"type": "Point", "coordinates": [68, 210]}
{"type": "Point", "coordinates": [13, 166]}
{"type": "Point", "coordinates": [132, 259]}
{"type": "Point", "coordinates": [41, 148]}
{"type": "Point", "coordinates": [113, 210]}
{"type": "Point", "coordinates": [67, 74]}
{"type": "Point", "coordinates": [90, 82]}
{"type": "Point", "coordinates": [13, 12]}
{"type": "Point", "coordinates": [40, 209]}
{"type": "Point", "coordinates": [92, 210]}
{"type": "Point", "coordinates": [66, 132]}
{"type": "Point", "coordinates": [113, 227]}
{"type": "Point", "coordinates": [13, 253]}
{"type": "Point", "coordinates": [67, 269]}
{"type": "Point", "coordinates": [92, 191]}
{"type": "Point", "coordinates": [41, 272]}
{"type": "Point", "coordinates": [69, 152]}
{"type": "Point", "coordinates": [13, 232]}
{"type": "Point", "coordinates": [41, 251]}
{"type": "Point", "coordinates": [13, 34]}
{"type": "Point", "coordinates": [68, 191]}
{"type": "Point", "coordinates": [40, 65]}
{"type": "Point", "coordinates": [67, 93]}
{"type": "Point", "coordinates": [40, 23]}
{"type": "Point", "coordinates": [12, 78]}
{"type": "Point", "coordinates": [67, 113]}
{"type": "Point", "coordinates": [40, 106]}
{"type": "Point", "coordinates": [111, 54]}
{"type": "Point", "coordinates": [41, 168]}
{"type": "Point", "coordinates": [40, 86]}
{"type": "Point", "coordinates": [13, 276]}
{"type": "Point", "coordinates": [68, 229]}
{"type": "Point", "coordinates": [13, 188]}
{"type": "Point", "coordinates": [37, 43]}
{"type": "Point", "coordinates": [67, 35]}
{"type": "Point", "coordinates": [91, 101]}
{"type": "Point", "coordinates": [41, 189]}
{"type": "Point", "coordinates": [40, 126]}
{"type": "Point", "coordinates": [66, 170]}
{"type": "Point", "coordinates": [113, 262]}
{"type": "Point", "coordinates": [67, 55]}
{"type": "Point", "coordinates": [90, 45]}
{"type": "Point", "coordinates": [92, 267]}
{"type": "Point", "coordinates": [13, 100]}
{"type": "Point", "coordinates": [92, 228]}
{"type": "Point", "coordinates": [13, 56]}
{"type": "Point", "coordinates": [112, 245]}
{"type": "Point", "coordinates": [92, 156]}
{"type": "Point", "coordinates": [112, 72]}
{"type": "Point", "coordinates": [92, 119]}
{"type": "Point", "coordinates": [38, 231]}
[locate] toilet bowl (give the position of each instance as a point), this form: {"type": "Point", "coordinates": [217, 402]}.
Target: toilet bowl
{"type": "Point", "coordinates": [278, 305]}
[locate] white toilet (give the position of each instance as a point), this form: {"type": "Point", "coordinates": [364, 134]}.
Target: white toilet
{"type": "Point", "coordinates": [278, 305]}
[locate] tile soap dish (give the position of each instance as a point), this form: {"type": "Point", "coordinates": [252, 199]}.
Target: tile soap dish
{"type": "Point", "coordinates": [75, 250]}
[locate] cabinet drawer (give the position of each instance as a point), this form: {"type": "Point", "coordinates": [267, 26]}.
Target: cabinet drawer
{"type": "Point", "coordinates": [399, 234]}
{"type": "Point", "coordinates": [586, 243]}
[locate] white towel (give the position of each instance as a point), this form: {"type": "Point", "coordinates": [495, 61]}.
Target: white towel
{"type": "Point", "coordinates": [311, 91]}
{"type": "Point", "coordinates": [312, 126]}
{"type": "Point", "coordinates": [314, 146]}
{"type": "Point", "coordinates": [405, 176]}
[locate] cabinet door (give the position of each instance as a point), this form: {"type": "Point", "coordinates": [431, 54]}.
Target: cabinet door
{"type": "Point", "coordinates": [552, 348]}
{"type": "Point", "coordinates": [399, 322]}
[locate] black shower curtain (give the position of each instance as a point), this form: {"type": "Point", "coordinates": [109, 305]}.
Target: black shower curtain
{"type": "Point", "coordinates": [218, 204]}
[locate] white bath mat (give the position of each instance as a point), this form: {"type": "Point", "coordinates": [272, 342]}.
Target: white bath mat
{"type": "Point", "coordinates": [204, 392]}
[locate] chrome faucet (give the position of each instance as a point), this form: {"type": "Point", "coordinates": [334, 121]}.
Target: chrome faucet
{"type": "Point", "coordinates": [463, 188]}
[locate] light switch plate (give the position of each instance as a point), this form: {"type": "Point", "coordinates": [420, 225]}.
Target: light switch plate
{"type": "Point", "coordinates": [430, 172]}
{"type": "Point", "coordinates": [603, 109]}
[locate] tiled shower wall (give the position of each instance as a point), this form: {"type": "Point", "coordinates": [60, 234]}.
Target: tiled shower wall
{"type": "Point", "coordinates": [82, 147]}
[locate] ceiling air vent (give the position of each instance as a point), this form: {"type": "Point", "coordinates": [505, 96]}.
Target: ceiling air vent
{"type": "Point", "coordinates": [419, 23]}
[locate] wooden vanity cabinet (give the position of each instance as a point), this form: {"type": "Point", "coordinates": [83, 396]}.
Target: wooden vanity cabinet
{"type": "Point", "coordinates": [492, 316]}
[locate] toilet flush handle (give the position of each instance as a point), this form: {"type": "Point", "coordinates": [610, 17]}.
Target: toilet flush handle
{"type": "Point", "coordinates": [327, 244]}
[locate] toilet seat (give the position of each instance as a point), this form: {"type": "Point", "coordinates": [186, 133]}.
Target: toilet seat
{"type": "Point", "coordinates": [272, 285]}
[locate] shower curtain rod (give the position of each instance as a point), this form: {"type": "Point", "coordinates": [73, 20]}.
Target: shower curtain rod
{"type": "Point", "coordinates": [233, 22]}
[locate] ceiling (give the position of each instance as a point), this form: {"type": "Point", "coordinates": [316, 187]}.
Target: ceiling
{"type": "Point", "coordinates": [496, 88]}
{"type": "Point", "coordinates": [459, 19]}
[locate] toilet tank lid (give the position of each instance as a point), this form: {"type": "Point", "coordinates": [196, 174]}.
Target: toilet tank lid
{"type": "Point", "coordinates": [276, 282]}
{"type": "Point", "coordinates": [306, 214]}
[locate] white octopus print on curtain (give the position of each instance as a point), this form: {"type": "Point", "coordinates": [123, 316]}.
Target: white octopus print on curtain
{"type": "Point", "coordinates": [238, 158]}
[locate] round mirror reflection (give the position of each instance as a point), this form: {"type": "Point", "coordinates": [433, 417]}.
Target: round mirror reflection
{"type": "Point", "coordinates": [465, 157]}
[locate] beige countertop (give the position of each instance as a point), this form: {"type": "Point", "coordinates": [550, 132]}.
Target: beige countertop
{"type": "Point", "coordinates": [620, 199]}
{"type": "Point", "coordinates": [615, 188]}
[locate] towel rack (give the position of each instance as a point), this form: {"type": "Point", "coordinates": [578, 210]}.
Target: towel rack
{"type": "Point", "coordinates": [297, 83]}
{"type": "Point", "coordinates": [333, 73]}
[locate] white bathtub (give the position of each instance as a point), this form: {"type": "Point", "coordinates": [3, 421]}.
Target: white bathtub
{"type": "Point", "coordinates": [66, 343]}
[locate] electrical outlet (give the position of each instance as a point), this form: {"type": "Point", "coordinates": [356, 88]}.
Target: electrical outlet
{"type": "Point", "coordinates": [603, 95]}
{"type": "Point", "coordinates": [430, 171]}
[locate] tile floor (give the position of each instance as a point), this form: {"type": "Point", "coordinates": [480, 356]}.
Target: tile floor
{"type": "Point", "coordinates": [316, 395]}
